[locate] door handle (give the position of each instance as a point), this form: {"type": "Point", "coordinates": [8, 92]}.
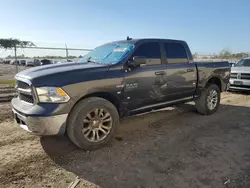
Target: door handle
{"type": "Point", "coordinates": [190, 70]}
{"type": "Point", "coordinates": [160, 73]}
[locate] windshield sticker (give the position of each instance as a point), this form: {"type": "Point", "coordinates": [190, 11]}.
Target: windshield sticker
{"type": "Point", "coordinates": [119, 49]}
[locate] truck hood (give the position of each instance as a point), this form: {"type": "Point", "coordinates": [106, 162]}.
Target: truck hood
{"type": "Point", "coordinates": [62, 74]}
{"type": "Point", "coordinates": [46, 70]}
{"type": "Point", "coordinates": [240, 69]}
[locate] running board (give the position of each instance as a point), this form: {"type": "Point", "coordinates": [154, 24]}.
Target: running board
{"type": "Point", "coordinates": [161, 105]}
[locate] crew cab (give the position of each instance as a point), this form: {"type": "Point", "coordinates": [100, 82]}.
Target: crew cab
{"type": "Point", "coordinates": [87, 99]}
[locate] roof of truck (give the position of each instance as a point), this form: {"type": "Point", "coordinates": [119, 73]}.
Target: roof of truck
{"type": "Point", "coordinates": [133, 41]}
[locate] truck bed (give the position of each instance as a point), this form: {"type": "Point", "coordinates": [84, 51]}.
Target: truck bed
{"type": "Point", "coordinates": [207, 70]}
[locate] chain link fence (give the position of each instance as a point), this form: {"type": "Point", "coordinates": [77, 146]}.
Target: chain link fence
{"type": "Point", "coordinates": [8, 66]}
{"type": "Point", "coordinates": [51, 53]}
{"type": "Point", "coordinates": [33, 56]}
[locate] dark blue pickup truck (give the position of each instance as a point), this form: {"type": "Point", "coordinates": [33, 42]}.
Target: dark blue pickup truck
{"type": "Point", "coordinates": [118, 79]}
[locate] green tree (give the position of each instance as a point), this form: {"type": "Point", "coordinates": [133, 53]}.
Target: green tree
{"type": "Point", "coordinates": [14, 43]}
{"type": "Point", "coordinates": [225, 53]}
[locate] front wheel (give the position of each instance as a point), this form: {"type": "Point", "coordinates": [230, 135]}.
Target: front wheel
{"type": "Point", "coordinates": [92, 123]}
{"type": "Point", "coordinates": [209, 100]}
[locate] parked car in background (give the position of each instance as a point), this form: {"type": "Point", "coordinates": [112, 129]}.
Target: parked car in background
{"type": "Point", "coordinates": [14, 62]}
{"type": "Point", "coordinates": [240, 75]}
{"type": "Point", "coordinates": [37, 62]}
{"type": "Point", "coordinates": [22, 62]}
{"type": "Point", "coordinates": [6, 61]}
{"type": "Point", "coordinates": [45, 62]}
{"type": "Point", "coordinates": [33, 63]}
{"type": "Point", "coordinates": [29, 63]}
{"type": "Point", "coordinates": [115, 80]}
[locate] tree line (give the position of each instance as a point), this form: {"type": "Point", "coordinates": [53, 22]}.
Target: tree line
{"type": "Point", "coordinates": [223, 54]}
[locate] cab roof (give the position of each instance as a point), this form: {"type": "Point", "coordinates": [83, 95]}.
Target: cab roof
{"type": "Point", "coordinates": [134, 41]}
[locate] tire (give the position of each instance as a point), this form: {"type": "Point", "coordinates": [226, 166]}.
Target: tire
{"type": "Point", "coordinates": [83, 117]}
{"type": "Point", "coordinates": [202, 103]}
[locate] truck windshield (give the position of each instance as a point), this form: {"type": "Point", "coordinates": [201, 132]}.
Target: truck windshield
{"type": "Point", "coordinates": [108, 54]}
{"type": "Point", "coordinates": [243, 63]}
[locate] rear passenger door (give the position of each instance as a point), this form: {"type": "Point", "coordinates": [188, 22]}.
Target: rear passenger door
{"type": "Point", "coordinates": [181, 72]}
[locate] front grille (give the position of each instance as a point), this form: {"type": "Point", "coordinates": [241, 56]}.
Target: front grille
{"type": "Point", "coordinates": [26, 98]}
{"type": "Point", "coordinates": [245, 76]}
{"type": "Point", "coordinates": [240, 76]}
{"type": "Point", "coordinates": [24, 91]}
{"type": "Point", "coordinates": [22, 85]}
{"type": "Point", "coordinates": [233, 75]}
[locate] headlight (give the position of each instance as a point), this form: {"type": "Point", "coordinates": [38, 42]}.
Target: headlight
{"type": "Point", "coordinates": [52, 94]}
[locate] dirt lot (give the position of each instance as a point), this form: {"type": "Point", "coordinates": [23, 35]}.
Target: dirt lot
{"type": "Point", "coordinates": [175, 148]}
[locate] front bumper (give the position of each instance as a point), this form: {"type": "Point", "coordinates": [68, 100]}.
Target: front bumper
{"type": "Point", "coordinates": [43, 119]}
{"type": "Point", "coordinates": [241, 84]}
{"type": "Point", "coordinates": [50, 125]}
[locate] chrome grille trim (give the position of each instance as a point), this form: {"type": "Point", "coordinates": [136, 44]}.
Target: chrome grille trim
{"type": "Point", "coordinates": [233, 75]}
{"type": "Point", "coordinates": [25, 90]}
{"type": "Point", "coordinates": [240, 76]}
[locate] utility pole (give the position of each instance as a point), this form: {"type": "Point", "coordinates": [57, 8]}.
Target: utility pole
{"type": "Point", "coordinates": [67, 53]}
{"type": "Point", "coordinates": [16, 59]}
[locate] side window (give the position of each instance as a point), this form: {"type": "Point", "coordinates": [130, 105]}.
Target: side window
{"type": "Point", "coordinates": [175, 53]}
{"type": "Point", "coordinates": [151, 51]}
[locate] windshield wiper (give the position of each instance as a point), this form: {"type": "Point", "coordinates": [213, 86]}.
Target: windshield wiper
{"type": "Point", "coordinates": [89, 60]}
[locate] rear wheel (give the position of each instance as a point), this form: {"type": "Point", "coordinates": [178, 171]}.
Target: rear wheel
{"type": "Point", "coordinates": [92, 123]}
{"type": "Point", "coordinates": [209, 100]}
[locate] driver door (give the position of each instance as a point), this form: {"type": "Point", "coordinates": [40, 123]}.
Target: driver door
{"type": "Point", "coordinates": [145, 85]}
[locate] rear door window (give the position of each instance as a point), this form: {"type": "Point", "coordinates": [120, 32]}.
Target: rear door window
{"type": "Point", "coordinates": [175, 53]}
{"type": "Point", "coordinates": [151, 51]}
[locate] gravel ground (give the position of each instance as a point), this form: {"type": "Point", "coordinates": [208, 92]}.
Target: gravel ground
{"type": "Point", "coordinates": [172, 148]}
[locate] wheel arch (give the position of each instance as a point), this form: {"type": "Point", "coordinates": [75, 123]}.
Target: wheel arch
{"type": "Point", "coordinates": [105, 95]}
{"type": "Point", "coordinates": [215, 80]}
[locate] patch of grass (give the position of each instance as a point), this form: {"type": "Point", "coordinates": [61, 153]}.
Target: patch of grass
{"type": "Point", "coordinates": [11, 83]}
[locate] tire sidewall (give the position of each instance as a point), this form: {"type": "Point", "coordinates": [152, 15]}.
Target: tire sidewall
{"type": "Point", "coordinates": [78, 124]}
{"type": "Point", "coordinates": [216, 88]}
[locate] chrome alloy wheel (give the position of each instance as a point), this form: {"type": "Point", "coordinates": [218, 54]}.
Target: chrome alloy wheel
{"type": "Point", "coordinates": [212, 99]}
{"type": "Point", "coordinates": [97, 125]}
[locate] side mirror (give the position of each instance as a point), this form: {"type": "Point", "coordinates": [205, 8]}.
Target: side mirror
{"type": "Point", "coordinates": [137, 61]}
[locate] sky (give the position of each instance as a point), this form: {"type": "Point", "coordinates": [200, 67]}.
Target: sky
{"type": "Point", "coordinates": [208, 26]}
